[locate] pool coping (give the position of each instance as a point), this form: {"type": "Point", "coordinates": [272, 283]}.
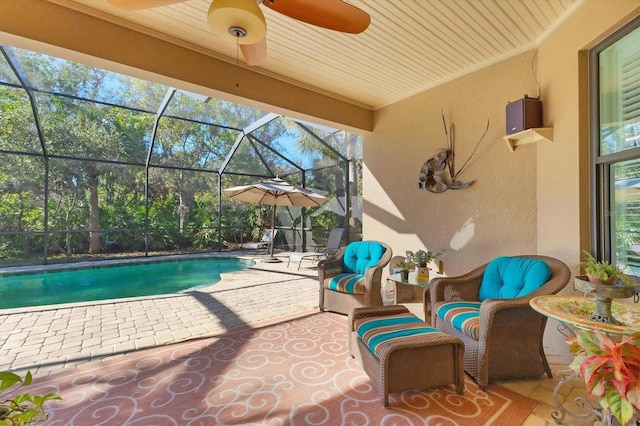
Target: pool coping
{"type": "Point", "coordinates": [96, 264]}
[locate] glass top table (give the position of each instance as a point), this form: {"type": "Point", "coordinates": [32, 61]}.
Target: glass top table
{"type": "Point", "coordinates": [413, 291]}
{"type": "Point", "coordinates": [576, 311]}
{"type": "Point", "coordinates": [397, 278]}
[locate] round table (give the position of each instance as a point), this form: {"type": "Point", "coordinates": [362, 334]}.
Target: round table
{"type": "Point", "coordinates": [576, 311]}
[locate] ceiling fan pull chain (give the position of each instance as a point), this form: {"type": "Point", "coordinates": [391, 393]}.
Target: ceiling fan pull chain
{"type": "Point", "coordinates": [237, 62]}
{"type": "Point", "coordinates": [238, 33]}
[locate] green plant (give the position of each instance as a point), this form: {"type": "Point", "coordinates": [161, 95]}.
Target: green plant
{"type": "Point", "coordinates": [21, 409]}
{"type": "Point", "coordinates": [610, 369]}
{"type": "Point", "coordinates": [404, 265]}
{"type": "Point", "coordinates": [602, 270]}
{"type": "Point", "coordinates": [421, 257]}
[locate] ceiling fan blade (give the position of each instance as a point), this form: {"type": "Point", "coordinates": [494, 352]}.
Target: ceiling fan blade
{"type": "Point", "coordinates": [141, 4]}
{"type": "Point", "coordinates": [332, 14]}
{"type": "Point", "coordinates": [255, 54]}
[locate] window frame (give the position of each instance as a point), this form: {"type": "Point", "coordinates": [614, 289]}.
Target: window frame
{"type": "Point", "coordinates": [600, 165]}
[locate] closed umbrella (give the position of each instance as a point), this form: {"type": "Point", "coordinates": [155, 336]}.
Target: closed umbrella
{"type": "Point", "coordinates": [275, 192]}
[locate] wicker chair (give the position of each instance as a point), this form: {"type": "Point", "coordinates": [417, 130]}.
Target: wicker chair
{"type": "Point", "coordinates": [507, 340]}
{"type": "Point", "coordinates": [352, 278]}
{"type": "Point", "coordinates": [394, 262]}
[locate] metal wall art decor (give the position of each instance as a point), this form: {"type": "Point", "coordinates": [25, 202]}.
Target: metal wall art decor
{"type": "Point", "coordinates": [438, 173]}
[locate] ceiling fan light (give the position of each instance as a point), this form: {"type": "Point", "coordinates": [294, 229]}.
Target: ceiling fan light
{"type": "Point", "coordinates": [245, 14]}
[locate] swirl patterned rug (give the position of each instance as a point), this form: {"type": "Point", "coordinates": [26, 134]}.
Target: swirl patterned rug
{"type": "Point", "coordinates": [296, 371]}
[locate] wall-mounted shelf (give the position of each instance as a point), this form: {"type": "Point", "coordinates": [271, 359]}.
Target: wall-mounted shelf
{"type": "Point", "coordinates": [529, 136]}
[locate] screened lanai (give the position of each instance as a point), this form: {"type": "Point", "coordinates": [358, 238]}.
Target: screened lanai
{"type": "Point", "coordinates": [98, 164]}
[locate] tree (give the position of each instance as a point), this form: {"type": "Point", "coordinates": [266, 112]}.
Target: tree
{"type": "Point", "coordinates": [97, 134]}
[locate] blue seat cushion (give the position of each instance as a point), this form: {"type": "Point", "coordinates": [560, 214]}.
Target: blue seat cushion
{"type": "Point", "coordinates": [346, 283]}
{"type": "Point", "coordinates": [463, 316]}
{"type": "Point", "coordinates": [360, 255]}
{"type": "Point", "coordinates": [510, 277]}
{"type": "Point", "coordinates": [376, 331]}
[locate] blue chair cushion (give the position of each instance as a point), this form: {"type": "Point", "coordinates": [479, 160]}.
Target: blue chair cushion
{"type": "Point", "coordinates": [376, 331]}
{"type": "Point", "coordinates": [346, 283]}
{"type": "Point", "coordinates": [463, 316]}
{"type": "Point", "coordinates": [510, 277]}
{"type": "Point", "coordinates": [360, 255]}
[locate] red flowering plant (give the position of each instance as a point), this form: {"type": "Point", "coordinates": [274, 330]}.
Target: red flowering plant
{"type": "Point", "coordinates": [610, 369]}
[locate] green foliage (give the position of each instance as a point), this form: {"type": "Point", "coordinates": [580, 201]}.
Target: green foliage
{"type": "Point", "coordinates": [8, 251]}
{"type": "Point", "coordinates": [404, 265]}
{"type": "Point", "coordinates": [323, 223]}
{"type": "Point", "coordinates": [21, 409]}
{"type": "Point", "coordinates": [610, 369]}
{"type": "Point", "coordinates": [258, 219]}
{"type": "Point", "coordinates": [602, 270]}
{"type": "Point", "coordinates": [96, 179]}
{"type": "Point", "coordinates": [205, 235]}
{"type": "Point", "coordinates": [422, 257]}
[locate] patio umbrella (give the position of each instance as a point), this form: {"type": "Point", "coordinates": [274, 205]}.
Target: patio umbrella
{"type": "Point", "coordinates": [275, 192]}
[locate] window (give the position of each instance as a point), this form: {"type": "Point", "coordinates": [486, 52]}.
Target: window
{"type": "Point", "coordinates": [615, 66]}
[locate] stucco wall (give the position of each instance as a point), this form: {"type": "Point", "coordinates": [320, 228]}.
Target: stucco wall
{"type": "Point", "coordinates": [497, 214]}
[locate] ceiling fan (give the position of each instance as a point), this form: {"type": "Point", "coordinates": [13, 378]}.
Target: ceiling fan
{"type": "Point", "coordinates": [242, 21]}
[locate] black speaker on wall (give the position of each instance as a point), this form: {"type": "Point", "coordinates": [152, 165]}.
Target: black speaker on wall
{"type": "Point", "coordinates": [523, 114]}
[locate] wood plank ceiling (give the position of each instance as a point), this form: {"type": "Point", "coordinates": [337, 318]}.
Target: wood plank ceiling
{"type": "Point", "coordinates": [410, 46]}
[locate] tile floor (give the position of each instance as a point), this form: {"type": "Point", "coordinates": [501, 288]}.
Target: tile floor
{"type": "Point", "coordinates": [542, 391]}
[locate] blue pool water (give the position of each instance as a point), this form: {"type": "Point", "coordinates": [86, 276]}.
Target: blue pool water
{"type": "Point", "coordinates": [112, 282]}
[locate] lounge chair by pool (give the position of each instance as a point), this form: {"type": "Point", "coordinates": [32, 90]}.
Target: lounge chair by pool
{"type": "Point", "coordinates": [262, 244]}
{"type": "Point", "coordinates": [333, 244]}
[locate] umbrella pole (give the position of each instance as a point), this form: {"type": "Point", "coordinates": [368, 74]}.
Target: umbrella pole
{"type": "Point", "coordinates": [271, 258]}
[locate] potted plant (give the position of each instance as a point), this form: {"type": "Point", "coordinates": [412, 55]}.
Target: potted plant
{"type": "Point", "coordinates": [22, 409]}
{"type": "Point", "coordinates": [421, 258]}
{"type": "Point", "coordinates": [604, 282]}
{"type": "Point", "coordinates": [404, 266]}
{"type": "Point", "coordinates": [611, 372]}
{"type": "Point", "coordinates": [601, 271]}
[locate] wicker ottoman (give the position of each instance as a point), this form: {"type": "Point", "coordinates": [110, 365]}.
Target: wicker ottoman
{"type": "Point", "coordinates": [399, 351]}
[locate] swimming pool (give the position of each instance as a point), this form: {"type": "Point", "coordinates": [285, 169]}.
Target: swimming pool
{"type": "Point", "coordinates": [101, 282]}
